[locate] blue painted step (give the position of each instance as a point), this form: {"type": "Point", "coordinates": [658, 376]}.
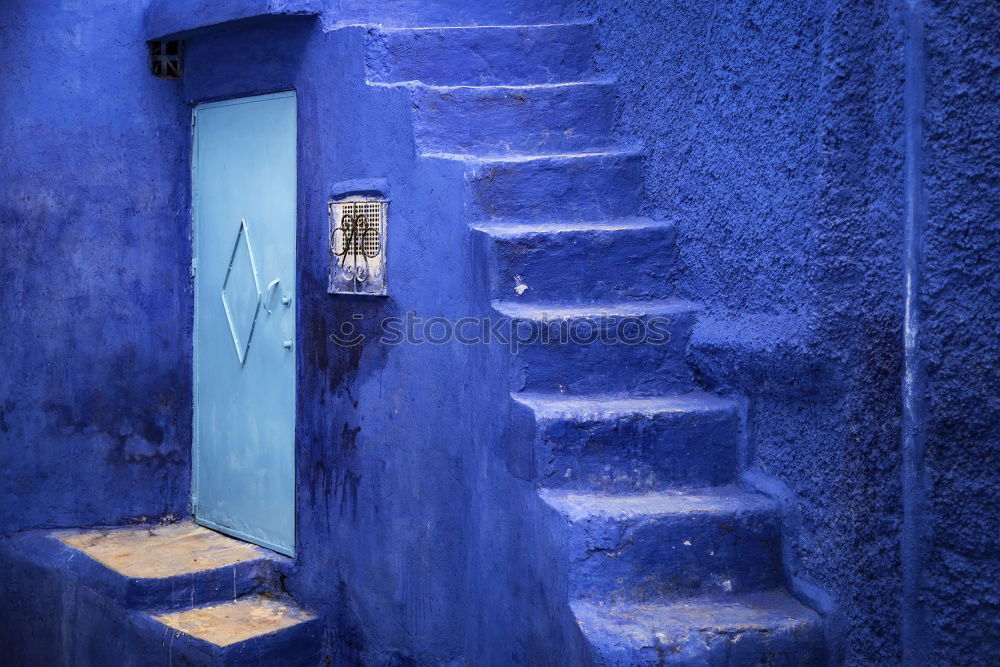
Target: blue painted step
{"type": "Point", "coordinates": [248, 631]}
{"type": "Point", "coordinates": [671, 543]}
{"type": "Point", "coordinates": [158, 594]}
{"type": "Point", "coordinates": [409, 13]}
{"type": "Point", "coordinates": [627, 347]}
{"type": "Point", "coordinates": [754, 629]}
{"type": "Point", "coordinates": [608, 443]}
{"type": "Point", "coordinates": [571, 187]}
{"type": "Point", "coordinates": [496, 120]}
{"type": "Point", "coordinates": [132, 588]}
{"type": "Point", "coordinates": [470, 55]}
{"type": "Point", "coordinates": [582, 262]}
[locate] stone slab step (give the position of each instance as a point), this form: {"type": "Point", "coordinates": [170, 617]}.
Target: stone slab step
{"type": "Point", "coordinates": [461, 13]}
{"type": "Point", "coordinates": [611, 443]}
{"type": "Point", "coordinates": [253, 630]}
{"type": "Point", "coordinates": [497, 120]}
{"type": "Point", "coordinates": [769, 628]}
{"type": "Point", "coordinates": [565, 186]}
{"type": "Point", "coordinates": [672, 543]}
{"type": "Point", "coordinates": [161, 566]}
{"type": "Point", "coordinates": [477, 55]}
{"type": "Point", "coordinates": [586, 262]}
{"type": "Point", "coordinates": [625, 347]}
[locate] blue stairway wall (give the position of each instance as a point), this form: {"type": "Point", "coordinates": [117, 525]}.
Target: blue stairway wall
{"type": "Point", "coordinates": [778, 147]}
{"type": "Point", "coordinates": [773, 133]}
{"type": "Point", "coordinates": [960, 290]}
{"type": "Point", "coordinates": [777, 150]}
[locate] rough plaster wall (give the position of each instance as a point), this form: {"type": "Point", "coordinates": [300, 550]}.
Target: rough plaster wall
{"type": "Point", "coordinates": [774, 135]}
{"type": "Point", "coordinates": [95, 381]}
{"type": "Point", "coordinates": [413, 541]}
{"type": "Point", "coordinates": [960, 293]}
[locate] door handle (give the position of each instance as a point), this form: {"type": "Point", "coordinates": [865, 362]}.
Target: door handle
{"type": "Point", "coordinates": [273, 285]}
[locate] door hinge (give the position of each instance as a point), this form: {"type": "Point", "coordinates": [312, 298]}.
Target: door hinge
{"type": "Point", "coordinates": [194, 267]}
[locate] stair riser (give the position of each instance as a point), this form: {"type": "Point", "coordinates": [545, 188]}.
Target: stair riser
{"type": "Point", "coordinates": [564, 119]}
{"type": "Point", "coordinates": [684, 636]}
{"type": "Point", "coordinates": [582, 266]}
{"type": "Point", "coordinates": [642, 558]}
{"type": "Point", "coordinates": [406, 13]}
{"type": "Point", "coordinates": [199, 588]}
{"type": "Point", "coordinates": [564, 188]}
{"type": "Point", "coordinates": [638, 452]}
{"type": "Point", "coordinates": [579, 368]}
{"type": "Point", "coordinates": [298, 645]}
{"type": "Point", "coordinates": [483, 56]}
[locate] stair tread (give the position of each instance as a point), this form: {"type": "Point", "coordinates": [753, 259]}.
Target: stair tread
{"type": "Point", "coordinates": [490, 87]}
{"type": "Point", "coordinates": [159, 552]}
{"type": "Point", "coordinates": [520, 158]}
{"type": "Point", "coordinates": [578, 505]}
{"type": "Point", "coordinates": [512, 229]}
{"type": "Point", "coordinates": [525, 26]}
{"type": "Point", "coordinates": [554, 405]}
{"type": "Point", "coordinates": [547, 311]}
{"type": "Point", "coordinates": [668, 621]}
{"type": "Point", "coordinates": [236, 621]}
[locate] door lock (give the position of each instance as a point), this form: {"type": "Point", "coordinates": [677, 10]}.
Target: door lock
{"type": "Point", "coordinates": [287, 344]}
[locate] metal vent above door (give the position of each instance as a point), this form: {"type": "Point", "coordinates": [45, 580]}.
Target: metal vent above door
{"type": "Point", "coordinates": [166, 58]}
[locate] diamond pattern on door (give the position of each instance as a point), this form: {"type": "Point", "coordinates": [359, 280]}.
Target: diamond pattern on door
{"type": "Point", "coordinates": [241, 293]}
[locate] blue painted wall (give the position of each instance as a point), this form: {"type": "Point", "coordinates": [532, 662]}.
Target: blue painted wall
{"type": "Point", "coordinates": [775, 136]}
{"type": "Point", "coordinates": [95, 389]}
{"type": "Point", "coordinates": [408, 517]}
{"type": "Point", "coordinates": [960, 345]}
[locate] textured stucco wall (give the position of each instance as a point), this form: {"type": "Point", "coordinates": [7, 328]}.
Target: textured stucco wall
{"type": "Point", "coordinates": [413, 539]}
{"type": "Point", "coordinates": [961, 340]}
{"type": "Point", "coordinates": [774, 134]}
{"type": "Point", "coordinates": [94, 310]}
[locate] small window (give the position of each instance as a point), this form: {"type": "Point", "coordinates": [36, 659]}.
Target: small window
{"type": "Point", "coordinates": [166, 58]}
{"type": "Point", "coordinates": [357, 245]}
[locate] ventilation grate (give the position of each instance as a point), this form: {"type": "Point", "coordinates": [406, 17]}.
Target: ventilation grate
{"type": "Point", "coordinates": [166, 58]}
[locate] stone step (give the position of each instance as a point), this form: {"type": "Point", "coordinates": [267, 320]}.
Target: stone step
{"type": "Point", "coordinates": [585, 262]}
{"type": "Point", "coordinates": [166, 566]}
{"type": "Point", "coordinates": [625, 347]}
{"type": "Point", "coordinates": [609, 443]}
{"type": "Point", "coordinates": [571, 187]}
{"type": "Point", "coordinates": [462, 13]}
{"type": "Point", "coordinates": [769, 628]}
{"type": "Point", "coordinates": [252, 630]}
{"type": "Point", "coordinates": [522, 119]}
{"type": "Point", "coordinates": [475, 55]}
{"type": "Point", "coordinates": [150, 595]}
{"type": "Point", "coordinates": [672, 543]}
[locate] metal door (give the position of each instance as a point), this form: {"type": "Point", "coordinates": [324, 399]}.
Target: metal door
{"type": "Point", "coordinates": [244, 203]}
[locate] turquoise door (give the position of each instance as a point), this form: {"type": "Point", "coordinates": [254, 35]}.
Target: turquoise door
{"type": "Point", "coordinates": [244, 202]}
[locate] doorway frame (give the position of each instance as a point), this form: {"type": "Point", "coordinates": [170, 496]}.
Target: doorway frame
{"type": "Point", "coordinates": [210, 103]}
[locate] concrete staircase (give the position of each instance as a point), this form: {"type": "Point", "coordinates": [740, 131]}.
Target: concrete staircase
{"type": "Point", "coordinates": [669, 561]}
{"type": "Point", "coordinates": [155, 595]}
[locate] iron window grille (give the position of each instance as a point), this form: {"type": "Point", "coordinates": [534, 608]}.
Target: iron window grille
{"type": "Point", "coordinates": [357, 246]}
